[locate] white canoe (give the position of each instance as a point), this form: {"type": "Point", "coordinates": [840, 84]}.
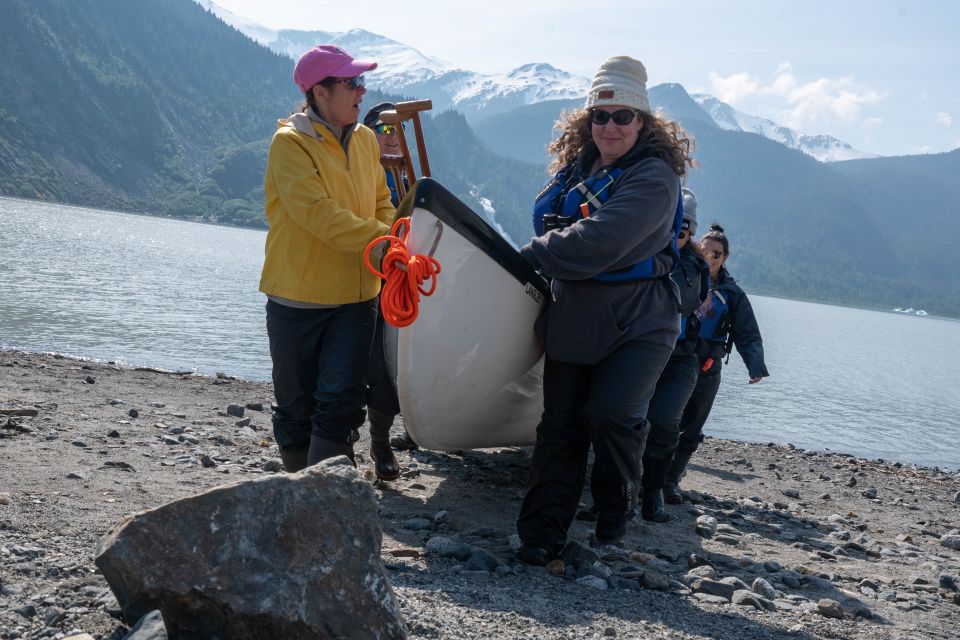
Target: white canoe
{"type": "Point", "coordinates": [469, 370]}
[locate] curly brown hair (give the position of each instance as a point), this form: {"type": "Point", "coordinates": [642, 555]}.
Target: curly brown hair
{"type": "Point", "coordinates": [672, 144]}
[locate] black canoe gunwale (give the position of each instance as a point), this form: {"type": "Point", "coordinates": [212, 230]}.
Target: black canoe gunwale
{"type": "Point", "coordinates": [431, 195]}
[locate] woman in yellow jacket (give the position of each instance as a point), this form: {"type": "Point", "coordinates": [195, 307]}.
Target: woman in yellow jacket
{"type": "Point", "coordinates": [326, 199]}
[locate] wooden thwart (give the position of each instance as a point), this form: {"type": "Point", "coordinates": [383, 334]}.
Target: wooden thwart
{"type": "Point", "coordinates": [400, 165]}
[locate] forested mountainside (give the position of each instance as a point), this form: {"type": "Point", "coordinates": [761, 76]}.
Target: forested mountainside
{"type": "Point", "coordinates": [161, 107]}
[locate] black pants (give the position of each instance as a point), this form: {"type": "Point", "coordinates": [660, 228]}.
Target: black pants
{"type": "Point", "coordinates": [605, 405]}
{"type": "Point", "coordinates": [320, 359]}
{"type": "Point", "coordinates": [381, 395]}
{"type": "Point", "coordinates": [698, 409]}
{"type": "Point", "coordinates": [674, 388]}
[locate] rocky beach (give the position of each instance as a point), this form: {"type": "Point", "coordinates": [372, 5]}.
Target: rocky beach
{"type": "Point", "coordinates": [772, 541]}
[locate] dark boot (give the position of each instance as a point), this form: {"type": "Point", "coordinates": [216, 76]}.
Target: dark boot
{"type": "Point", "coordinates": [294, 459]}
{"type": "Point", "coordinates": [671, 494]}
{"type": "Point", "coordinates": [678, 467]}
{"type": "Point", "coordinates": [323, 449]}
{"type": "Point", "coordinates": [610, 529]}
{"type": "Point", "coordinates": [653, 509]}
{"type": "Point", "coordinates": [385, 464]}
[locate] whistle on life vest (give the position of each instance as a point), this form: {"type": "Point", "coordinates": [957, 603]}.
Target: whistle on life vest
{"type": "Point", "coordinates": [585, 209]}
{"type": "Point", "coordinates": [707, 365]}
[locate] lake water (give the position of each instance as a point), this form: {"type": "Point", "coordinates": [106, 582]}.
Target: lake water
{"type": "Point", "coordinates": [150, 291]}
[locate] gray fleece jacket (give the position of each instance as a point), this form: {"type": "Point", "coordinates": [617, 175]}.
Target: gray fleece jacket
{"type": "Point", "coordinates": [586, 320]}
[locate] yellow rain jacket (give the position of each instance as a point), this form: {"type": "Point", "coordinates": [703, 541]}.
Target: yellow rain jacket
{"type": "Point", "coordinates": [324, 206]}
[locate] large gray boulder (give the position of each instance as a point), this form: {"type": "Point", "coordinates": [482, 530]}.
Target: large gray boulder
{"type": "Point", "coordinates": [293, 556]}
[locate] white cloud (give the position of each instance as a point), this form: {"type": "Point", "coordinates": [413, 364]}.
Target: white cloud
{"type": "Point", "coordinates": [801, 105]}
{"type": "Point", "coordinates": [733, 88]}
{"type": "Point", "coordinates": [821, 101]}
{"type": "Point", "coordinates": [942, 117]}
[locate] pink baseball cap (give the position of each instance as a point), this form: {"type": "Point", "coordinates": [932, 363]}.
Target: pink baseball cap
{"type": "Point", "coordinates": [325, 61]}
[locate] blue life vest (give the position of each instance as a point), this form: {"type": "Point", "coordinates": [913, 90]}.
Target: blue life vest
{"type": "Point", "coordinates": [714, 324]}
{"type": "Point", "coordinates": [581, 201]}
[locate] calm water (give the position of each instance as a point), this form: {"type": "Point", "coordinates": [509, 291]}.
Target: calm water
{"type": "Point", "coordinates": [180, 295]}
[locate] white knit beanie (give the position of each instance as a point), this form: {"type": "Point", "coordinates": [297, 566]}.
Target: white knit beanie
{"type": "Point", "coordinates": [620, 80]}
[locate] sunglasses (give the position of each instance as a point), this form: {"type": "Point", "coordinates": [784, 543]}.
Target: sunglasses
{"type": "Point", "coordinates": [716, 255]}
{"type": "Point", "coordinates": [388, 129]}
{"type": "Point", "coordinates": [682, 235]}
{"type": "Point", "coordinates": [353, 83]}
{"type": "Point", "coordinates": [620, 117]}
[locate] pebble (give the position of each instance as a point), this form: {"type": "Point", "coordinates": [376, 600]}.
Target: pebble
{"type": "Point", "coordinates": [273, 465]}
{"type": "Point", "coordinates": [4, 498]}
{"type": "Point", "coordinates": [870, 493]}
{"type": "Point", "coordinates": [594, 582]}
{"type": "Point", "coordinates": [418, 524]}
{"type": "Point", "coordinates": [235, 410]}
{"type": "Point", "coordinates": [712, 599]}
{"type": "Point", "coordinates": [791, 493]}
{"type": "Point", "coordinates": [763, 588]}
{"type": "Point", "coordinates": [245, 422]}
{"type": "Point", "coordinates": [254, 406]}
{"type": "Point", "coordinates": [706, 526]}
{"type": "Point", "coordinates": [556, 567]}
{"type": "Point", "coordinates": [88, 380]}
{"type": "Point", "coordinates": [656, 580]}
{"type": "Point", "coordinates": [746, 598]}
{"type": "Point", "coordinates": [956, 497]}
{"type": "Point", "coordinates": [951, 541]}
{"type": "Point", "coordinates": [829, 608]}
{"type": "Point", "coordinates": [133, 413]}
{"type": "Point", "coordinates": [113, 433]}
{"type": "Point", "coordinates": [447, 548]}
{"type": "Point", "coordinates": [82, 636]}
{"type": "Point", "coordinates": [712, 587]}
{"type": "Point", "coordinates": [736, 583]}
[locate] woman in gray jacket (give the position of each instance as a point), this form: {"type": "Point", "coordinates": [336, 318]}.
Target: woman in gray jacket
{"type": "Point", "coordinates": [609, 223]}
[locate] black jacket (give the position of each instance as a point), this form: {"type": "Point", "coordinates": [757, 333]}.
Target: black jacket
{"type": "Point", "coordinates": [587, 320]}
{"type": "Point", "coordinates": [740, 327]}
{"type": "Point", "coordinates": [692, 277]}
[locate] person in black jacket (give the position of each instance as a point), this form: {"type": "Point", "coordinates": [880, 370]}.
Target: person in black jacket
{"type": "Point", "coordinates": [726, 319]}
{"type": "Point", "coordinates": [607, 333]}
{"type": "Point", "coordinates": [679, 377]}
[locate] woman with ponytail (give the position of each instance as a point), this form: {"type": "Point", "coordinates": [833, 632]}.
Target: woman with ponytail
{"type": "Point", "coordinates": [726, 320]}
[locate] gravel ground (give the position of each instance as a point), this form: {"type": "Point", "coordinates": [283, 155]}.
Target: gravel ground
{"type": "Point", "coordinates": [844, 547]}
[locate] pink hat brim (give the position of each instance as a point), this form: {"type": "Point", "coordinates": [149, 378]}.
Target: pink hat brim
{"type": "Point", "coordinates": [353, 68]}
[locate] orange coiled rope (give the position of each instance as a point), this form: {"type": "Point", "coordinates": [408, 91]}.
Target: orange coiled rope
{"type": "Point", "coordinates": [403, 276]}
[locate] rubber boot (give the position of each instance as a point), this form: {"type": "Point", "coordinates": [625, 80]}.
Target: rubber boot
{"type": "Point", "coordinates": [676, 471]}
{"type": "Point", "coordinates": [653, 509]}
{"type": "Point", "coordinates": [323, 449]}
{"type": "Point", "coordinates": [385, 464]}
{"type": "Point", "coordinates": [294, 459]}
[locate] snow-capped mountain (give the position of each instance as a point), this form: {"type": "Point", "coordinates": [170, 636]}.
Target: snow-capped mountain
{"type": "Point", "coordinates": [822, 147]}
{"type": "Point", "coordinates": [405, 71]}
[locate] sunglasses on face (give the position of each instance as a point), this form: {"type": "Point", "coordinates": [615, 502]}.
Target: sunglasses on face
{"type": "Point", "coordinates": [716, 255]}
{"type": "Point", "coordinates": [620, 117]}
{"type": "Point", "coordinates": [682, 235]}
{"type": "Point", "coordinates": [388, 129]}
{"type": "Point", "coordinates": [353, 83]}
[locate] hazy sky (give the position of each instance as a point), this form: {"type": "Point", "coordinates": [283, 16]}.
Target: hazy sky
{"type": "Point", "coordinates": [881, 75]}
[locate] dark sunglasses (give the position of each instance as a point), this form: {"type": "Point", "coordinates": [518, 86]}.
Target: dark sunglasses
{"type": "Point", "coordinates": [620, 117]}
{"type": "Point", "coordinates": [353, 83]}
{"type": "Point", "coordinates": [388, 129]}
{"type": "Point", "coordinates": [716, 255]}
{"type": "Point", "coordinates": [682, 235]}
